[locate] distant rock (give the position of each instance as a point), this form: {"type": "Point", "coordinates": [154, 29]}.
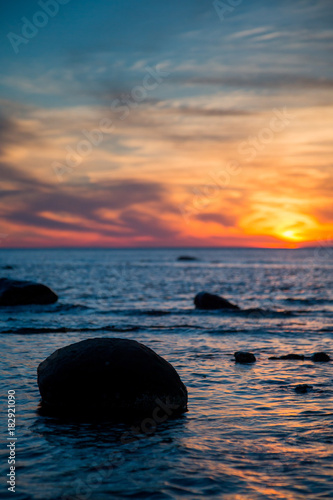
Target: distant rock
{"type": "Point", "coordinates": [111, 377]}
{"type": "Point", "coordinates": [7, 267]}
{"type": "Point", "coordinates": [303, 388]}
{"type": "Point", "coordinates": [186, 258]}
{"type": "Point", "coordinates": [320, 357]}
{"type": "Point", "coordinates": [290, 356]}
{"type": "Point", "coordinates": [244, 357]}
{"type": "Point", "coordinates": [209, 301]}
{"type": "Point", "coordinates": [14, 293]}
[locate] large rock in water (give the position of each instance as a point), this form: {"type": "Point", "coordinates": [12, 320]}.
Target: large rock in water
{"type": "Point", "coordinates": [205, 300]}
{"type": "Point", "coordinates": [110, 377]}
{"type": "Point", "coordinates": [15, 293]}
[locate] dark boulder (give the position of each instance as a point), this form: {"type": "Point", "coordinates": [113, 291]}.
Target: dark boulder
{"type": "Point", "coordinates": [7, 267]}
{"type": "Point", "coordinates": [209, 301]}
{"type": "Point", "coordinates": [186, 258]}
{"type": "Point", "coordinates": [290, 356]}
{"type": "Point", "coordinates": [14, 293]}
{"type": "Point", "coordinates": [303, 388]}
{"type": "Point", "coordinates": [320, 357]}
{"type": "Point", "coordinates": [110, 377]}
{"type": "Point", "coordinates": [244, 357]}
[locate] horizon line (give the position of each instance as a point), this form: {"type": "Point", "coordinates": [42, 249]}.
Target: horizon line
{"type": "Point", "coordinates": [232, 247]}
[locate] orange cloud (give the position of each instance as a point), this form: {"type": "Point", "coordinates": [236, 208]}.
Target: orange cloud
{"type": "Point", "coordinates": [171, 174]}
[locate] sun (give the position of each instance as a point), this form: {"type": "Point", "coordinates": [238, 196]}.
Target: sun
{"type": "Point", "coordinates": [291, 235]}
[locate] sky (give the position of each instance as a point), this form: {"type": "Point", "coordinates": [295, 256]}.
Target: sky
{"type": "Point", "coordinates": [189, 123]}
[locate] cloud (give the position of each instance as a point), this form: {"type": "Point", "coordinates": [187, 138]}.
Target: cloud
{"type": "Point", "coordinates": [248, 33]}
{"type": "Point", "coordinates": [262, 81]}
{"type": "Point", "coordinates": [222, 219]}
{"type": "Point", "coordinates": [12, 132]}
{"type": "Point", "coordinates": [206, 112]}
{"type": "Point", "coordinates": [134, 207]}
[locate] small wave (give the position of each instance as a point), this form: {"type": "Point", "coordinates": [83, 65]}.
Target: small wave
{"type": "Point", "coordinates": [143, 312]}
{"type": "Point", "coordinates": [266, 313]}
{"type": "Point", "coordinates": [151, 312]}
{"type": "Point", "coordinates": [46, 308]}
{"type": "Point", "coordinates": [63, 329]}
{"type": "Point", "coordinates": [307, 301]}
{"type": "Point", "coordinates": [250, 312]}
{"type": "Point", "coordinates": [255, 313]}
{"type": "Point", "coordinates": [70, 307]}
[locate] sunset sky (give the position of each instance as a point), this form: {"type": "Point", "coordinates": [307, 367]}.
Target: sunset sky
{"type": "Point", "coordinates": [174, 123]}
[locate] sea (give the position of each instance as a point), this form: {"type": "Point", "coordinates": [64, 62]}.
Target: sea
{"type": "Point", "coordinates": [247, 433]}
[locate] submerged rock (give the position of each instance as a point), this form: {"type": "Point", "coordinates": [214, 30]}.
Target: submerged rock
{"type": "Point", "coordinates": [303, 388]}
{"type": "Point", "coordinates": [15, 292]}
{"type": "Point", "coordinates": [256, 312]}
{"type": "Point", "coordinates": [290, 356]}
{"type": "Point", "coordinates": [209, 301]}
{"type": "Point", "coordinates": [7, 267]}
{"type": "Point", "coordinates": [320, 357]}
{"type": "Point", "coordinates": [186, 258]}
{"type": "Point", "coordinates": [112, 377]}
{"type": "Point", "coordinates": [244, 357]}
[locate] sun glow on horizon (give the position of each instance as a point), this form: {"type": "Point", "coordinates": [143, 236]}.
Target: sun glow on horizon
{"type": "Point", "coordinates": [290, 234]}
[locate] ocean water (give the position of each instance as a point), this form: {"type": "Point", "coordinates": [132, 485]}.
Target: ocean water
{"type": "Point", "coordinates": [247, 434]}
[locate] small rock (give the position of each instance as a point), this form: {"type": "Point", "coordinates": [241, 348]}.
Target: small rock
{"type": "Point", "coordinates": [244, 357]}
{"type": "Point", "coordinates": [303, 388]}
{"type": "Point", "coordinates": [256, 313]}
{"type": "Point", "coordinates": [186, 258]}
{"type": "Point", "coordinates": [290, 356]}
{"type": "Point", "coordinates": [209, 301]}
{"type": "Point", "coordinates": [320, 357]}
{"type": "Point", "coordinates": [7, 267]}
{"type": "Point", "coordinates": [15, 292]}
{"type": "Point", "coordinates": [110, 377]}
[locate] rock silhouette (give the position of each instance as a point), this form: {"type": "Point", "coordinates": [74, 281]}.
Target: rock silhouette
{"type": "Point", "coordinates": [110, 376]}
{"type": "Point", "coordinates": [290, 356]}
{"type": "Point", "coordinates": [303, 388]}
{"type": "Point", "coordinates": [186, 258]}
{"type": "Point", "coordinates": [209, 301]}
{"type": "Point", "coordinates": [244, 357]}
{"type": "Point", "coordinates": [15, 292]}
{"type": "Point", "coordinates": [316, 357]}
{"type": "Point", "coordinates": [320, 357]}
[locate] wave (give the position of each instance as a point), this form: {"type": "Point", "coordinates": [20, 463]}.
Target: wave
{"type": "Point", "coordinates": [70, 307]}
{"type": "Point", "coordinates": [149, 312]}
{"type": "Point", "coordinates": [311, 301]}
{"type": "Point", "coordinates": [270, 313]}
{"type": "Point", "coordinates": [63, 329]}
{"type": "Point", "coordinates": [261, 331]}
{"type": "Point", "coordinates": [48, 308]}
